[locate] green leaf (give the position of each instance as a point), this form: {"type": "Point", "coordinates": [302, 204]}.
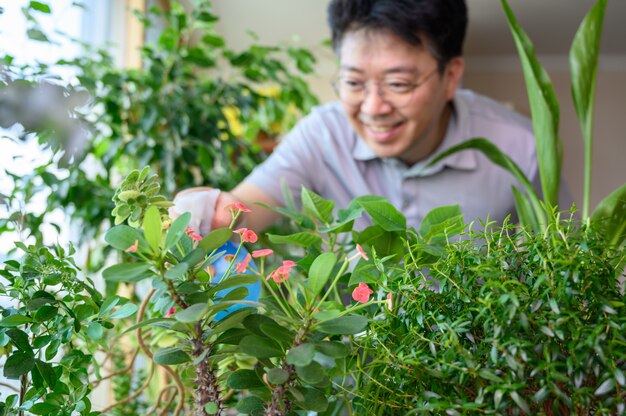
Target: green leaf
{"type": "Point", "coordinates": [344, 325]}
{"type": "Point", "coordinates": [95, 330]}
{"type": "Point", "coordinates": [192, 314]}
{"type": "Point", "coordinates": [124, 311]}
{"type": "Point", "coordinates": [148, 322]}
{"type": "Point", "coordinates": [610, 217]}
{"type": "Point", "coordinates": [176, 230]}
{"type": "Point", "coordinates": [17, 364]}
{"type": "Point", "coordinates": [277, 376]}
{"type": "Point", "coordinates": [303, 239]}
{"type": "Point", "coordinates": [493, 153]}
{"type": "Point", "coordinates": [260, 347]}
{"type": "Point", "coordinates": [333, 349]}
{"type": "Point", "coordinates": [15, 320]}
{"type": "Point", "coordinates": [316, 206]}
{"type": "Point", "coordinates": [583, 60]}
{"type": "Point", "coordinates": [320, 272]}
{"type": "Point", "coordinates": [520, 402]}
{"type": "Point", "coordinates": [441, 223]}
{"type": "Point", "coordinates": [39, 6]}
{"type": "Point", "coordinates": [177, 272]}
{"type": "Point", "coordinates": [314, 400]}
{"type": "Point", "coordinates": [127, 272]}
{"type": "Point", "coordinates": [544, 110]}
{"type": "Point", "coordinates": [47, 373]}
{"type": "Point", "coordinates": [108, 304]}
{"type": "Point", "coordinates": [20, 340]}
{"type": "Point", "coordinates": [171, 356]}
{"type": "Point", "coordinates": [233, 281]}
{"type": "Point", "coordinates": [312, 374]}
{"type": "Point", "coordinates": [44, 408]}
{"type": "Point", "coordinates": [489, 375]}
{"type": "Point", "coordinates": [123, 236]}
{"type": "Point", "coordinates": [250, 405]}
{"type": "Point", "coordinates": [152, 227]}
{"type": "Point", "coordinates": [244, 379]}
{"type": "Point", "coordinates": [384, 214]}
{"type": "Point", "coordinates": [215, 239]}
{"type": "Point", "coordinates": [278, 333]}
{"type": "Point", "coordinates": [301, 355]}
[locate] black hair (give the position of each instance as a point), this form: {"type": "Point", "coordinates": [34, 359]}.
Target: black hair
{"type": "Point", "coordinates": [441, 24]}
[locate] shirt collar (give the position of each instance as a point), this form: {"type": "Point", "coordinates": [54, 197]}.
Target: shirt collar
{"type": "Point", "coordinates": [456, 133]}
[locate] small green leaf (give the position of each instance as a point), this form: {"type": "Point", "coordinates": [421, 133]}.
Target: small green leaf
{"type": "Point", "coordinates": [211, 408]}
{"type": "Point", "coordinates": [277, 376]}
{"type": "Point", "coordinates": [344, 325]}
{"type": "Point", "coordinates": [607, 386]}
{"type": "Point", "coordinates": [44, 408]}
{"type": "Point", "coordinates": [176, 230]}
{"type": "Point", "coordinates": [312, 374]}
{"type": "Point", "coordinates": [177, 272]}
{"type": "Point", "coordinates": [192, 314]}
{"type": "Point", "coordinates": [20, 340]}
{"type": "Point", "coordinates": [171, 356]}
{"type": "Point", "coordinates": [333, 349]}
{"type": "Point", "coordinates": [121, 237]}
{"type": "Point", "coordinates": [39, 6]}
{"type": "Point", "coordinates": [127, 272]}
{"type": "Point", "coordinates": [318, 207]}
{"type": "Point", "coordinates": [304, 239]}
{"type": "Point", "coordinates": [301, 355]}
{"type": "Point", "coordinates": [152, 227]}
{"type": "Point", "coordinates": [244, 379]}
{"type": "Point", "coordinates": [95, 330]}
{"type": "Point", "coordinates": [314, 400]}
{"type": "Point", "coordinates": [124, 311]}
{"type": "Point", "coordinates": [47, 372]}
{"type": "Point", "coordinates": [215, 239]}
{"type": "Point", "coordinates": [320, 272]}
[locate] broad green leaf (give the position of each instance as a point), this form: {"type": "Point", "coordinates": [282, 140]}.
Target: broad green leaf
{"type": "Point", "coordinates": [121, 237]}
{"type": "Point", "coordinates": [124, 311]}
{"type": "Point", "coordinates": [39, 6]}
{"type": "Point", "coordinates": [17, 364]}
{"type": "Point", "coordinates": [610, 217]}
{"type": "Point", "coordinates": [333, 349]}
{"type": "Point", "coordinates": [148, 322]}
{"type": "Point", "coordinates": [344, 325]}
{"type": "Point", "coordinates": [318, 207]}
{"type": "Point", "coordinates": [127, 272]}
{"type": "Point", "coordinates": [493, 153]}
{"type": "Point", "coordinates": [301, 355]}
{"type": "Point", "coordinates": [583, 60]}
{"type": "Point", "coordinates": [237, 294]}
{"type": "Point", "coordinates": [277, 376]}
{"type": "Point", "coordinates": [192, 314]}
{"type": "Point", "coordinates": [544, 109]}
{"type": "Point", "coordinates": [442, 223]}
{"type": "Point", "coordinates": [215, 239]}
{"type": "Point", "coordinates": [385, 215]}
{"type": "Point", "coordinates": [15, 320]}
{"type": "Point", "coordinates": [314, 400]}
{"type": "Point", "coordinates": [303, 239]}
{"type": "Point", "coordinates": [20, 340]}
{"type": "Point", "coordinates": [171, 356]}
{"type": "Point", "coordinates": [278, 333]}
{"type": "Point", "coordinates": [313, 373]}
{"type": "Point", "coordinates": [320, 272]}
{"type": "Point", "coordinates": [152, 227]}
{"type": "Point", "coordinates": [44, 408]}
{"type": "Point", "coordinates": [232, 319]}
{"type": "Point", "coordinates": [260, 347]}
{"type": "Point", "coordinates": [176, 230]}
{"type": "Point", "coordinates": [232, 336]}
{"type": "Point", "coordinates": [253, 323]}
{"type": "Point", "coordinates": [211, 408]}
{"type": "Point", "coordinates": [244, 379]}
{"type": "Point", "coordinates": [250, 405]}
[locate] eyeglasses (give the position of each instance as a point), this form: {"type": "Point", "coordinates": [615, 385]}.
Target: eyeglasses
{"type": "Point", "coordinates": [397, 93]}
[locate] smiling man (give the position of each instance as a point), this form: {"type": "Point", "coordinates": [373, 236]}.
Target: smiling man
{"type": "Point", "coordinates": [400, 105]}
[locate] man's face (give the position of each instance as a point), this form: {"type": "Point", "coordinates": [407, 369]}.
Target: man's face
{"type": "Point", "coordinates": [408, 126]}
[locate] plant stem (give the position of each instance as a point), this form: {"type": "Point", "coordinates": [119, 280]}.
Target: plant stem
{"type": "Point", "coordinates": [207, 389]}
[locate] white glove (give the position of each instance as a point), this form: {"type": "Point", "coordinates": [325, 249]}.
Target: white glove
{"type": "Point", "coordinates": [200, 203]}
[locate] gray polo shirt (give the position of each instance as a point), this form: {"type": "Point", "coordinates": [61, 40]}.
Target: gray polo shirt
{"type": "Point", "coordinates": [324, 154]}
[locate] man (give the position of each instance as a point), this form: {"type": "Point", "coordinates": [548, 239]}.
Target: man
{"type": "Point", "coordinates": [400, 67]}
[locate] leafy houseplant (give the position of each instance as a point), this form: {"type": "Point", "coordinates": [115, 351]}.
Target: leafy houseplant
{"type": "Point", "coordinates": [521, 321]}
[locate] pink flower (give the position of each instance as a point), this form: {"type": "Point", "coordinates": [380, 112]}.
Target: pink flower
{"type": "Point", "coordinates": [133, 248]}
{"type": "Point", "coordinates": [362, 293]}
{"type": "Point", "coordinates": [171, 312]}
{"type": "Point", "coordinates": [229, 257]}
{"type": "Point", "coordinates": [248, 236]}
{"type": "Point", "coordinates": [237, 206]}
{"type": "Point", "coordinates": [241, 267]}
{"type": "Point", "coordinates": [389, 302]}
{"type": "Point", "coordinates": [361, 252]}
{"type": "Point", "coordinates": [261, 253]}
{"type": "Point", "coordinates": [192, 234]}
{"type": "Point", "coordinates": [282, 272]}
